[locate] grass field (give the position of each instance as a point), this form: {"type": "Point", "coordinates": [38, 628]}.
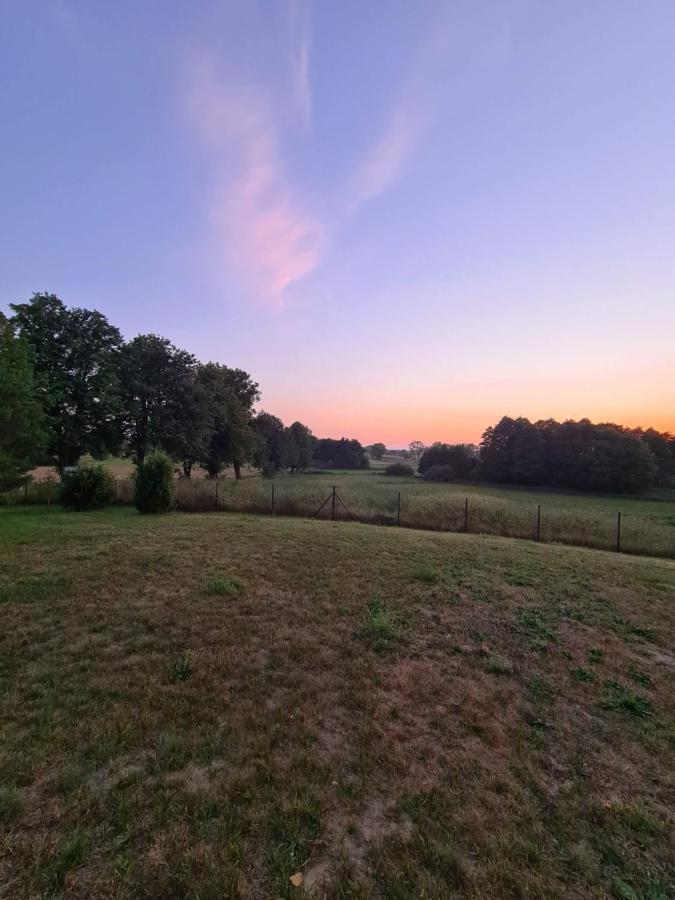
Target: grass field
{"type": "Point", "coordinates": [205, 706]}
{"type": "Point", "coordinates": [586, 520]}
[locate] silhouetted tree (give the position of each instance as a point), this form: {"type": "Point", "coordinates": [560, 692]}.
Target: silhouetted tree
{"type": "Point", "coordinates": [298, 447]}
{"type": "Point", "coordinates": [21, 434]}
{"type": "Point", "coordinates": [156, 381]}
{"type": "Point", "coordinates": [268, 453]}
{"type": "Point", "coordinates": [377, 451]}
{"type": "Point", "coordinates": [74, 352]}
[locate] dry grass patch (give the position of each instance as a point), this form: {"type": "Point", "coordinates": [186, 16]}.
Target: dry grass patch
{"type": "Point", "coordinates": [501, 729]}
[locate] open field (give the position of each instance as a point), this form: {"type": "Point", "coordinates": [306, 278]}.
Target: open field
{"type": "Point", "coordinates": [586, 520]}
{"type": "Point", "coordinates": [206, 705]}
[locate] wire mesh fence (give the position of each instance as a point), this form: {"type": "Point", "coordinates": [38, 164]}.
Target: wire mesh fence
{"type": "Point", "coordinates": [435, 511]}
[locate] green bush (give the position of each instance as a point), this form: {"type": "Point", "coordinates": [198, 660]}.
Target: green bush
{"type": "Point", "coordinates": [439, 473]}
{"type": "Point", "coordinates": [153, 490]}
{"type": "Point", "coordinates": [88, 487]}
{"type": "Point", "coordinates": [400, 469]}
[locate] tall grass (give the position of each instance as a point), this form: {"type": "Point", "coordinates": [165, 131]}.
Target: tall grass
{"type": "Point", "coordinates": [377, 503]}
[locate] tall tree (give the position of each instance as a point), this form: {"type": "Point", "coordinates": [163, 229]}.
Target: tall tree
{"type": "Point", "coordinates": [74, 352]}
{"type": "Point", "coordinates": [377, 450]}
{"type": "Point", "coordinates": [231, 394]}
{"type": "Point", "coordinates": [21, 434]}
{"type": "Point", "coordinates": [269, 451]}
{"type": "Point", "coordinates": [298, 445]}
{"type": "Point", "coordinates": [416, 449]}
{"type": "Point", "coordinates": [156, 380]}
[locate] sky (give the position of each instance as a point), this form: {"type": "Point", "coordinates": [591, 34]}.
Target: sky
{"type": "Point", "coordinates": [404, 219]}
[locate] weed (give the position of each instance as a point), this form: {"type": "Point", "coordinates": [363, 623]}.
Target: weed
{"type": "Point", "coordinates": [578, 673]}
{"type": "Point", "coordinates": [10, 805]}
{"type": "Point", "coordinates": [621, 699]}
{"type": "Point", "coordinates": [181, 669]}
{"type": "Point", "coordinates": [499, 665]}
{"type": "Point", "coordinates": [226, 586]}
{"type": "Point", "coordinates": [382, 626]}
{"type": "Point", "coordinates": [595, 656]}
{"type": "Point", "coordinates": [426, 574]}
{"type": "Point", "coordinates": [639, 677]}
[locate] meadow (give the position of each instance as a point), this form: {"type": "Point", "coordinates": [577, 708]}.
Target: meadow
{"type": "Point", "coordinates": [227, 705]}
{"type": "Point", "coordinates": [587, 520]}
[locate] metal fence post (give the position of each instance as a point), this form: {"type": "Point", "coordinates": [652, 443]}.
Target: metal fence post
{"type": "Point", "coordinates": [398, 509]}
{"type": "Point", "coordinates": [25, 492]}
{"type": "Point", "coordinates": [217, 483]}
{"type": "Point", "coordinates": [332, 508]}
{"type": "Point", "coordinates": [539, 523]}
{"type": "Point", "coordinates": [466, 514]}
{"type": "Point", "coordinates": [272, 496]}
{"type": "Point", "coordinates": [618, 532]}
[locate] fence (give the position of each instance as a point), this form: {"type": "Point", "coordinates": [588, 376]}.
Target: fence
{"type": "Point", "coordinates": [435, 511]}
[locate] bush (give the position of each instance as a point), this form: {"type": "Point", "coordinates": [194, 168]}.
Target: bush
{"type": "Point", "coordinates": [439, 473]}
{"type": "Point", "coordinates": [399, 469]}
{"type": "Point", "coordinates": [153, 490]}
{"type": "Point", "coordinates": [88, 487]}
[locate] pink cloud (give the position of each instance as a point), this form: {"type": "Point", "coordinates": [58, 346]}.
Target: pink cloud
{"type": "Point", "coordinates": [262, 232]}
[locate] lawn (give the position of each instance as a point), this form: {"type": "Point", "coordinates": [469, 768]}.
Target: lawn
{"type": "Point", "coordinates": [211, 705]}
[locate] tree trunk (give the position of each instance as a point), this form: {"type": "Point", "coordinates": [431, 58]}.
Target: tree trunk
{"type": "Point", "coordinates": [187, 469]}
{"type": "Point", "coordinates": [237, 469]}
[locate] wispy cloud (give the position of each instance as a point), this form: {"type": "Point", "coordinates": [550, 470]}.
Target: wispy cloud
{"type": "Point", "coordinates": [407, 120]}
{"type": "Point", "coordinates": [300, 60]}
{"type": "Point", "coordinates": [262, 230]}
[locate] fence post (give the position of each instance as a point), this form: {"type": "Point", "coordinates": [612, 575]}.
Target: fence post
{"type": "Point", "coordinates": [398, 509]}
{"type": "Point", "coordinates": [272, 496]}
{"type": "Point", "coordinates": [49, 493]}
{"type": "Point", "coordinates": [332, 507]}
{"type": "Point", "coordinates": [25, 492]}
{"type": "Point", "coordinates": [217, 483]}
{"type": "Point", "coordinates": [539, 523]}
{"type": "Point", "coordinates": [618, 532]}
{"type": "Point", "coordinates": [466, 514]}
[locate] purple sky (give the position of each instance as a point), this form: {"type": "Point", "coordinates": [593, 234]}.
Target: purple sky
{"type": "Point", "coordinates": [405, 219]}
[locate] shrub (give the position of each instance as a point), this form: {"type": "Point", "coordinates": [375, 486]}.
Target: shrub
{"type": "Point", "coordinates": [88, 487]}
{"type": "Point", "coordinates": [439, 473]}
{"type": "Point", "coordinates": [400, 469]}
{"type": "Point", "coordinates": [153, 492]}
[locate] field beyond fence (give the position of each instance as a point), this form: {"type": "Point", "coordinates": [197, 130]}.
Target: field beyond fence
{"type": "Point", "coordinates": [414, 505]}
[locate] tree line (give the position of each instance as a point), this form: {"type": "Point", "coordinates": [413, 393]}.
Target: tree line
{"type": "Point", "coordinates": [70, 385]}
{"type": "Point", "coordinates": [580, 455]}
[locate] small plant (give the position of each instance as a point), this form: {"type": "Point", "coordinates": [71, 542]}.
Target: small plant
{"type": "Point", "coordinates": [87, 488]}
{"type": "Point", "coordinates": [499, 665]}
{"type": "Point", "coordinates": [621, 699]}
{"type": "Point", "coordinates": [426, 574]}
{"type": "Point", "coordinates": [153, 491]}
{"type": "Point", "coordinates": [224, 586]}
{"type": "Point", "coordinates": [580, 674]}
{"type": "Point", "coordinates": [400, 469]}
{"type": "Point", "coordinates": [10, 805]}
{"type": "Point", "coordinates": [382, 626]}
{"type": "Point", "coordinates": [595, 655]}
{"type": "Point", "coordinates": [639, 677]}
{"type": "Point", "coordinates": [182, 668]}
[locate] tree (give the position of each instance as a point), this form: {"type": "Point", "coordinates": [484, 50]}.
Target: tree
{"type": "Point", "coordinates": [189, 425]}
{"type": "Point", "coordinates": [340, 454]}
{"type": "Point", "coordinates": [231, 394]}
{"type": "Point", "coordinates": [662, 447]}
{"type": "Point", "coordinates": [416, 449]}
{"type": "Point", "coordinates": [156, 383]}
{"type": "Point", "coordinates": [377, 451]}
{"type": "Point", "coordinates": [268, 453]}
{"type": "Point", "coordinates": [21, 434]}
{"type": "Point", "coordinates": [298, 446]}
{"type": "Point", "coordinates": [459, 458]}
{"type": "Point", "coordinates": [74, 352]}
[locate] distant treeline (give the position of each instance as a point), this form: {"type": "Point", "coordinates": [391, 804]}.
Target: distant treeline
{"type": "Point", "coordinates": [579, 455]}
{"type": "Point", "coordinates": [70, 385]}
